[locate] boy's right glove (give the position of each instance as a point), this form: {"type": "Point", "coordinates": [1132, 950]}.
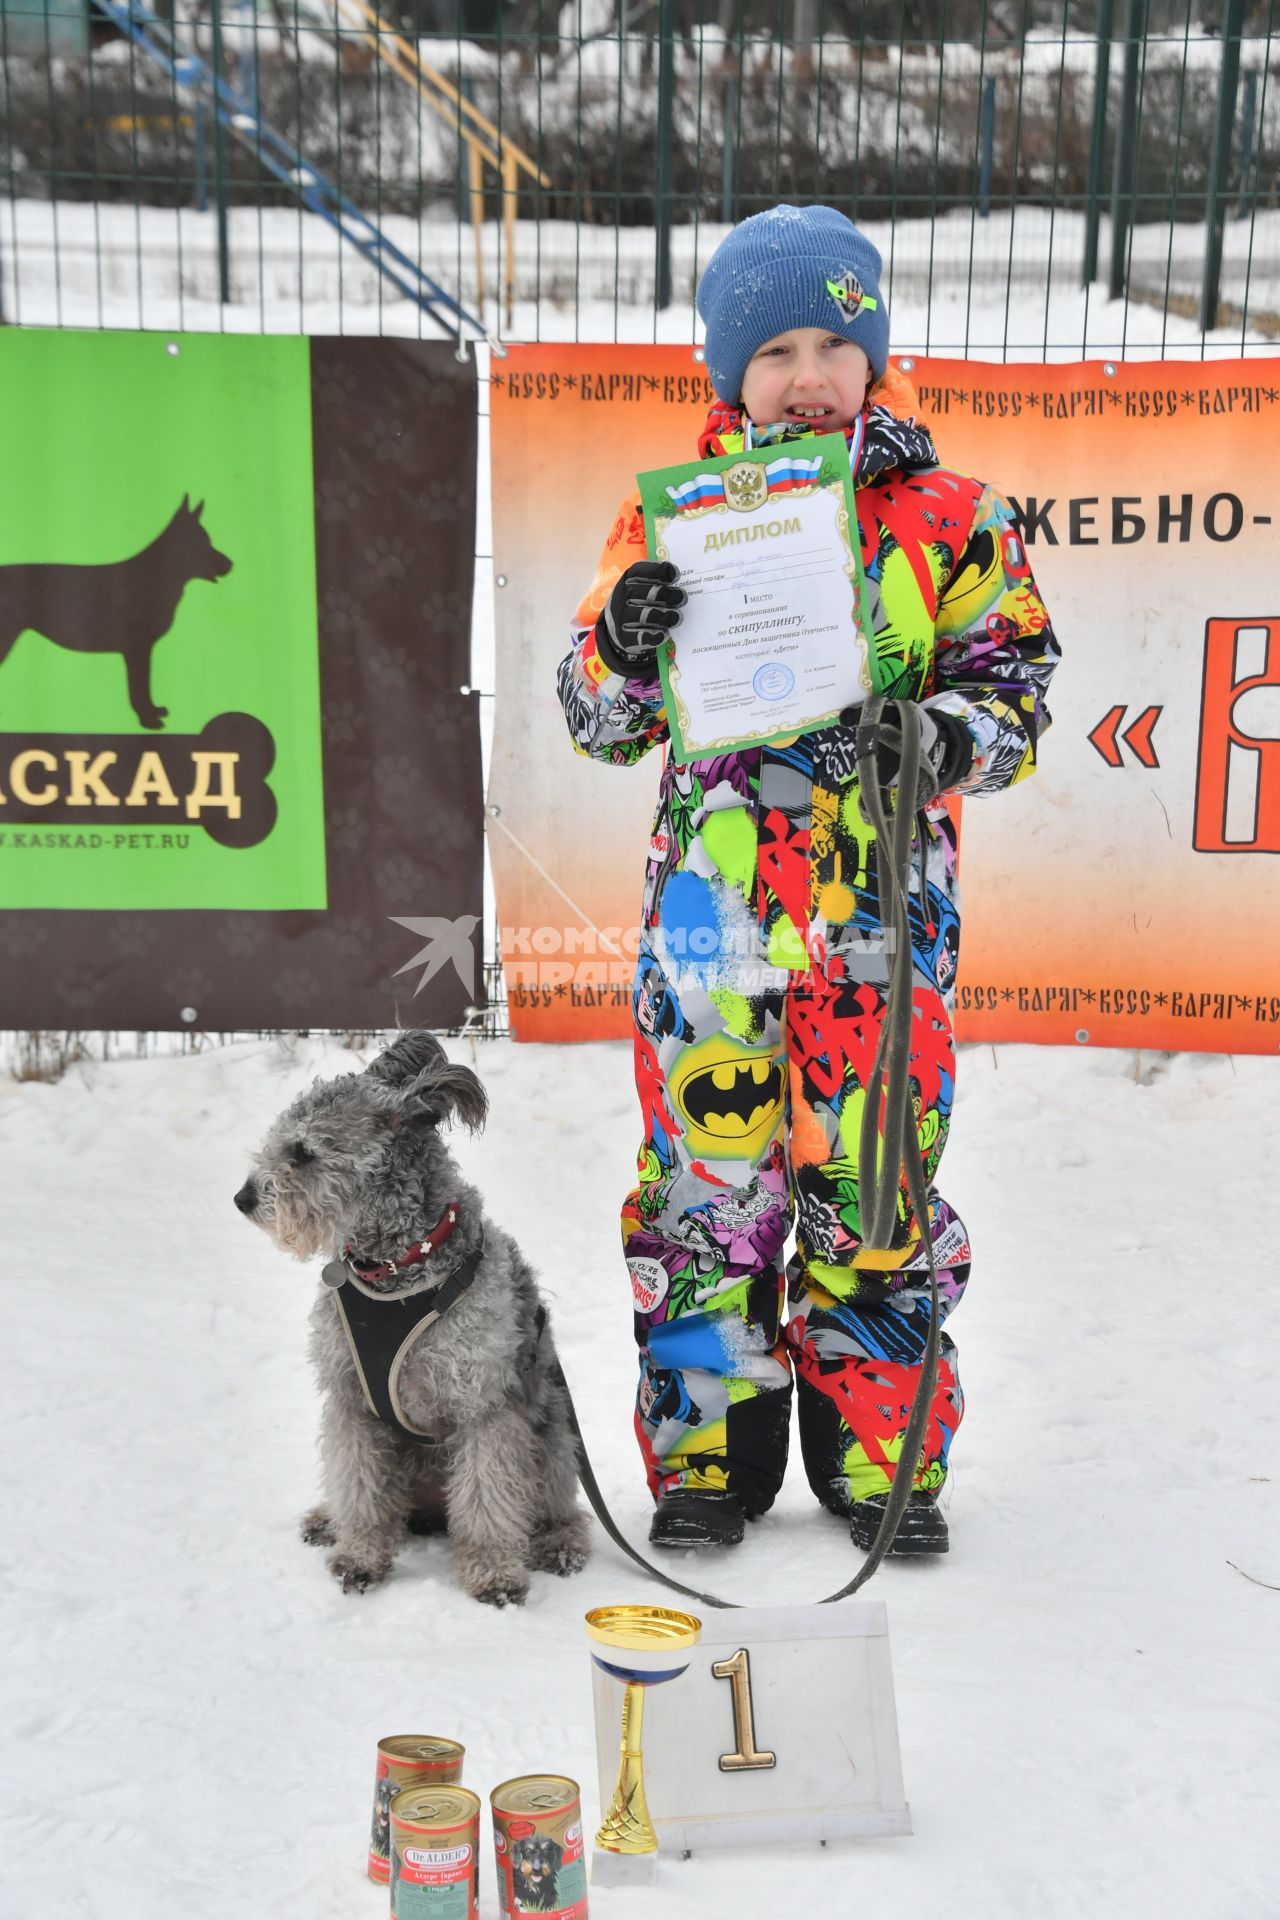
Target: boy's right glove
{"type": "Point", "coordinates": [638, 615]}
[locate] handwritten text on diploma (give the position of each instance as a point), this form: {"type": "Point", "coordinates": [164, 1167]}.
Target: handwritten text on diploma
{"type": "Point", "coordinates": [770, 639]}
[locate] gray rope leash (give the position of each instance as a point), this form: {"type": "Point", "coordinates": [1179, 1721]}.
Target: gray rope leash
{"type": "Point", "coordinates": [891, 1077]}
{"type": "Point", "coordinates": [591, 1487]}
{"type": "Point", "coordinates": [878, 1167]}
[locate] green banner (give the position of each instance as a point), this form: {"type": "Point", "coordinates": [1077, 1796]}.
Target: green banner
{"type": "Point", "coordinates": [160, 737]}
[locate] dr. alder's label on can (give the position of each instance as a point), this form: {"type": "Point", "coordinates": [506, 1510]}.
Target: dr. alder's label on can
{"type": "Point", "coordinates": [432, 1883]}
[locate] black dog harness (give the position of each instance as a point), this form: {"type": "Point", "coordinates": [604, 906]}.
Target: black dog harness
{"type": "Point", "coordinates": [380, 1328]}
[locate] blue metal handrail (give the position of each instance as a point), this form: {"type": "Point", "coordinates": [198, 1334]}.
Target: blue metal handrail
{"type": "Point", "coordinates": [238, 114]}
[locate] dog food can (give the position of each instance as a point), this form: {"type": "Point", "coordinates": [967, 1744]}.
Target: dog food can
{"type": "Point", "coordinates": [406, 1760]}
{"type": "Point", "coordinates": [435, 1854]}
{"type": "Point", "coordinates": [537, 1837]}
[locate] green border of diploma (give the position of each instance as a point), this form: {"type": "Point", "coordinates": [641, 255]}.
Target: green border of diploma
{"type": "Point", "coordinates": [659, 512]}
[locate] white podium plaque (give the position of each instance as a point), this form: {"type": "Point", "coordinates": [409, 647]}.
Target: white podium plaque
{"type": "Point", "coordinates": [783, 1728]}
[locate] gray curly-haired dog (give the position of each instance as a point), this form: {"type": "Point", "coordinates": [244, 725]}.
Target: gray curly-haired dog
{"type": "Point", "coordinates": [471, 1430]}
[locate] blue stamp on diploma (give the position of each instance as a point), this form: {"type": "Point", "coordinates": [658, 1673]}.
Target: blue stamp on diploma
{"type": "Point", "coordinates": [773, 681]}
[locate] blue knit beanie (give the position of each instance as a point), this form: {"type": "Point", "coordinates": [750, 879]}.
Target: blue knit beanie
{"type": "Point", "coordinates": [790, 267]}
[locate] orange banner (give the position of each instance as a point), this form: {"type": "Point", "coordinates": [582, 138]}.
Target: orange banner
{"type": "Point", "coordinates": [1123, 896]}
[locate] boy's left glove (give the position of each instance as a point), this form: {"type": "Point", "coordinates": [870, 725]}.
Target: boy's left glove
{"type": "Point", "coordinates": [946, 751]}
{"type": "Point", "coordinates": [638, 616]}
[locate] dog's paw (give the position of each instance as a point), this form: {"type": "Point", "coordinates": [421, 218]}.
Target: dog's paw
{"type": "Point", "coordinates": [153, 717]}
{"type": "Point", "coordinates": [562, 1550]}
{"type": "Point", "coordinates": [503, 1593]}
{"type": "Point", "coordinates": [563, 1560]}
{"type": "Point", "coordinates": [357, 1576]}
{"type": "Point", "coordinates": [498, 1582]}
{"type": "Point", "coordinates": [317, 1528]}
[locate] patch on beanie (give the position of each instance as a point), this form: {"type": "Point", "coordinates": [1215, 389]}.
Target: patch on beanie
{"type": "Point", "coordinates": [849, 297]}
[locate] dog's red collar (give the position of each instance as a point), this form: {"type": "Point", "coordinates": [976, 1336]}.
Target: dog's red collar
{"type": "Point", "coordinates": [370, 1270]}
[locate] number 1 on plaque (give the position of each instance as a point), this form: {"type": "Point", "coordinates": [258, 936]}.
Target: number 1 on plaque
{"type": "Point", "coordinates": [745, 1757]}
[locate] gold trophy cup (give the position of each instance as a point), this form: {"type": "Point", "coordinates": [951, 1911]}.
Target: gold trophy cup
{"type": "Point", "coordinates": [644, 1647]}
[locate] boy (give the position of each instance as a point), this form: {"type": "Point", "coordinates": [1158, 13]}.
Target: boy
{"type": "Point", "coordinates": [751, 1077]}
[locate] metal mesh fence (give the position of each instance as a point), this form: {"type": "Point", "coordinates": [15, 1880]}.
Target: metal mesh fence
{"type": "Point", "coordinates": [1044, 178]}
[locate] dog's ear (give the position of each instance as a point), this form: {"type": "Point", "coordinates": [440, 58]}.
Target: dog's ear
{"type": "Point", "coordinates": [197, 510]}
{"type": "Point", "coordinates": [406, 1057]}
{"type": "Point", "coordinates": [441, 1092]}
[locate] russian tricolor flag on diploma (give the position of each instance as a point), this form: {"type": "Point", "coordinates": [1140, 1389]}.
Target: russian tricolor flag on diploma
{"type": "Point", "coordinates": [707, 489]}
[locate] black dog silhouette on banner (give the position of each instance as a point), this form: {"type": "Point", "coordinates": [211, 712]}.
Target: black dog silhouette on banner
{"type": "Point", "coordinates": [123, 607]}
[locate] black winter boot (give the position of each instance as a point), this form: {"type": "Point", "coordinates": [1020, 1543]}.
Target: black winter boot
{"type": "Point", "coordinates": [697, 1517]}
{"type": "Point", "coordinates": [835, 1495]}
{"type": "Point", "coordinates": [922, 1528]}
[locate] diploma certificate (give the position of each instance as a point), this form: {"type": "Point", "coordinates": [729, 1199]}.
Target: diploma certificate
{"type": "Point", "coordinates": [772, 642]}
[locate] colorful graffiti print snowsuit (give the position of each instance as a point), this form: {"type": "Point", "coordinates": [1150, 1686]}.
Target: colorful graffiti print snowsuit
{"type": "Point", "coordinates": [750, 1077]}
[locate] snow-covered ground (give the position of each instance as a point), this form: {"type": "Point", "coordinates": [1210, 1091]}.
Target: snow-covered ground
{"type": "Point", "coordinates": [1087, 1687]}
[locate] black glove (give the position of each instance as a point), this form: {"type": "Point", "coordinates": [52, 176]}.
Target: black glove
{"type": "Point", "coordinates": [946, 751]}
{"type": "Point", "coordinates": [639, 614]}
